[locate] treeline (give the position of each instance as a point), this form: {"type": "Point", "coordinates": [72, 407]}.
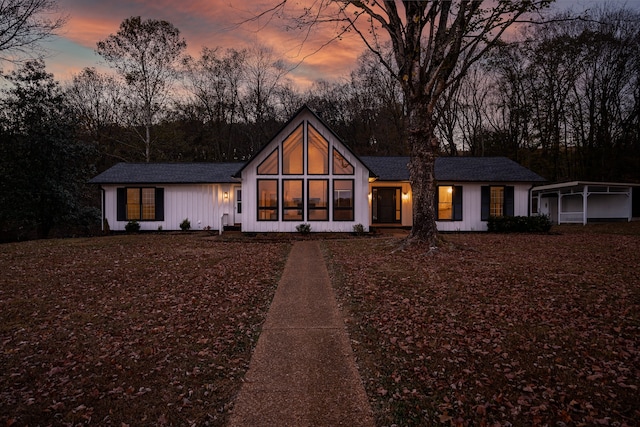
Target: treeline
{"type": "Point", "coordinates": [562, 98]}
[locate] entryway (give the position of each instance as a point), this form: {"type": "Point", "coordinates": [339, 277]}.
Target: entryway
{"type": "Point", "coordinates": [386, 203]}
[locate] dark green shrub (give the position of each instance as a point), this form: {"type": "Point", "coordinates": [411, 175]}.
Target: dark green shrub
{"type": "Point", "coordinates": [303, 228]}
{"type": "Point", "coordinates": [519, 224]}
{"type": "Point", "coordinates": [132, 227]}
{"type": "Point", "coordinates": [185, 224]}
{"type": "Point", "coordinates": [358, 230]}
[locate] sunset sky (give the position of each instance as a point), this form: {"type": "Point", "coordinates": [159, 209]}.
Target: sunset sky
{"type": "Point", "coordinates": [209, 23]}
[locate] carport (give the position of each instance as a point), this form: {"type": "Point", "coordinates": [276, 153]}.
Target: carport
{"type": "Point", "coordinates": [580, 202]}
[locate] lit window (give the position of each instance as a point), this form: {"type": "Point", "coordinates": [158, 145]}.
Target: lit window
{"type": "Point", "coordinates": [317, 153]}
{"type": "Point", "coordinates": [342, 200]}
{"type": "Point", "coordinates": [340, 165]}
{"type": "Point", "coordinates": [292, 200]}
{"type": "Point", "coordinates": [269, 166]}
{"type": "Point", "coordinates": [445, 202]}
{"type": "Point", "coordinates": [496, 205]}
{"type": "Point", "coordinates": [292, 156]}
{"type": "Point", "coordinates": [318, 202]}
{"type": "Point", "coordinates": [141, 204]}
{"type": "Point", "coordinates": [133, 204]}
{"type": "Point", "coordinates": [267, 200]}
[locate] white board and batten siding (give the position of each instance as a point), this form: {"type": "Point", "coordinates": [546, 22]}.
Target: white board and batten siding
{"type": "Point", "coordinates": [249, 179]}
{"type": "Point", "coordinates": [472, 206]}
{"type": "Point", "coordinates": [202, 204]}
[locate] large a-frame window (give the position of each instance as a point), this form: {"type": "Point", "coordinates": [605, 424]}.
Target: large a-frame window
{"type": "Point", "coordinates": [305, 169]}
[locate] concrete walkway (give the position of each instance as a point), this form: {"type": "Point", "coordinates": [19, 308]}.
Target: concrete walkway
{"type": "Point", "coordinates": [302, 372]}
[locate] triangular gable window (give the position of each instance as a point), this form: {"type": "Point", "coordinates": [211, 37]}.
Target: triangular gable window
{"type": "Point", "coordinates": [269, 166]}
{"type": "Point", "coordinates": [292, 153]}
{"type": "Point", "coordinates": [317, 153]}
{"type": "Point", "coordinates": [341, 166]}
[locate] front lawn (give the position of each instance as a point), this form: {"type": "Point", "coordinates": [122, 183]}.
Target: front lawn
{"type": "Point", "coordinates": [497, 329]}
{"type": "Point", "coordinates": [152, 329]}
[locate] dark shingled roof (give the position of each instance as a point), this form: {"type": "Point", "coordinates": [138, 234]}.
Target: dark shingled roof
{"type": "Point", "coordinates": [168, 173]}
{"type": "Point", "coordinates": [456, 169]}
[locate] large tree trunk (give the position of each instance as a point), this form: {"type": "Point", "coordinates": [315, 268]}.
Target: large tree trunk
{"type": "Point", "coordinates": [424, 149]}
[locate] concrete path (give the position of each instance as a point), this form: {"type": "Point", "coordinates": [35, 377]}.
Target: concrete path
{"type": "Point", "coordinates": [302, 372]}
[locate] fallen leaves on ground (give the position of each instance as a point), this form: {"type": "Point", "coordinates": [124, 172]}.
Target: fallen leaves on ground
{"type": "Point", "coordinates": [496, 329]}
{"type": "Point", "coordinates": [130, 330]}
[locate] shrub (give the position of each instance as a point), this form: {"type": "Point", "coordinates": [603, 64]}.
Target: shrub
{"type": "Point", "coordinates": [185, 224]}
{"type": "Point", "coordinates": [132, 227]}
{"type": "Point", "coordinates": [303, 228]}
{"type": "Point", "coordinates": [358, 230]}
{"type": "Point", "coordinates": [519, 224]}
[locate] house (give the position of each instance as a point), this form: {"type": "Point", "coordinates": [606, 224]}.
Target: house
{"type": "Point", "coordinates": [580, 202]}
{"type": "Point", "coordinates": [306, 174]}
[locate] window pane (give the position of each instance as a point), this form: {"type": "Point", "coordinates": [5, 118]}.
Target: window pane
{"type": "Point", "coordinates": [292, 153]}
{"type": "Point", "coordinates": [445, 202]}
{"type": "Point", "coordinates": [342, 200]}
{"type": "Point", "coordinates": [267, 193]}
{"type": "Point", "coordinates": [340, 165]}
{"type": "Point", "coordinates": [496, 207]}
{"type": "Point", "coordinates": [269, 166]}
{"type": "Point", "coordinates": [317, 153]}
{"type": "Point", "coordinates": [133, 203]}
{"type": "Point", "coordinates": [149, 203]}
{"type": "Point", "coordinates": [292, 200]}
{"type": "Point", "coordinates": [318, 202]}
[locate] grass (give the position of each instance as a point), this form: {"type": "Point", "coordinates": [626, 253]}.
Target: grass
{"type": "Point", "coordinates": [497, 329]}
{"type": "Point", "coordinates": [157, 329]}
{"type": "Point", "coordinates": [130, 330]}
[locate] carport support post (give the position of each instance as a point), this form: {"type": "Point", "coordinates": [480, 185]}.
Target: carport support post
{"type": "Point", "coordinates": [585, 196]}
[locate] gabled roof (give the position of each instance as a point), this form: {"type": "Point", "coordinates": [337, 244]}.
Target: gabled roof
{"type": "Point", "coordinates": [456, 169]}
{"type": "Point", "coordinates": [293, 118]}
{"type": "Point", "coordinates": [168, 173]}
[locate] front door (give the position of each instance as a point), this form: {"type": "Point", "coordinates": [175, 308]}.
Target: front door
{"type": "Point", "coordinates": [386, 205]}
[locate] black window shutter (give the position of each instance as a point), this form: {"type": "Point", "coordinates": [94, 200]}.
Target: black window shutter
{"type": "Point", "coordinates": [121, 197]}
{"type": "Point", "coordinates": [508, 201]}
{"type": "Point", "coordinates": [457, 203]}
{"type": "Point", "coordinates": [159, 204]}
{"type": "Point", "coordinates": [485, 200]}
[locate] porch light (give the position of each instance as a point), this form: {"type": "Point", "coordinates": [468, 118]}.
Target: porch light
{"type": "Point", "coordinates": [225, 195]}
{"type": "Point", "coordinates": [369, 196]}
{"type": "Point", "coordinates": [405, 196]}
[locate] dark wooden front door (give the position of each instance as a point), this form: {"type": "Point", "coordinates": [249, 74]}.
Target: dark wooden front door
{"type": "Point", "coordinates": [386, 208]}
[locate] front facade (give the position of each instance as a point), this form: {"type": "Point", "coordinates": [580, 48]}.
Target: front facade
{"type": "Point", "coordinates": [306, 174]}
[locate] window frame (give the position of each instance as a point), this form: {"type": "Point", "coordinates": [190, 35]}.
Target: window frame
{"type": "Point", "coordinates": [456, 203]}
{"type": "Point", "coordinates": [299, 208]}
{"type": "Point", "coordinates": [315, 209]}
{"type": "Point", "coordinates": [260, 208]}
{"type": "Point", "coordinates": [340, 208]}
{"type": "Point", "coordinates": [333, 164]}
{"type": "Point", "coordinates": [508, 201]}
{"type": "Point", "coordinates": [275, 151]}
{"type": "Point", "coordinates": [311, 128]}
{"type": "Point", "coordinates": [122, 205]}
{"type": "Point", "coordinates": [302, 155]}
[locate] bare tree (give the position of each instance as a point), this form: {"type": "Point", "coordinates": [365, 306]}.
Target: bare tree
{"type": "Point", "coordinates": [213, 82]}
{"type": "Point", "coordinates": [145, 54]}
{"type": "Point", "coordinates": [434, 42]}
{"type": "Point", "coordinates": [24, 24]}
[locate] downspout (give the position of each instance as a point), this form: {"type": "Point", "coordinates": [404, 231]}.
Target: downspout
{"type": "Point", "coordinates": [102, 203]}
